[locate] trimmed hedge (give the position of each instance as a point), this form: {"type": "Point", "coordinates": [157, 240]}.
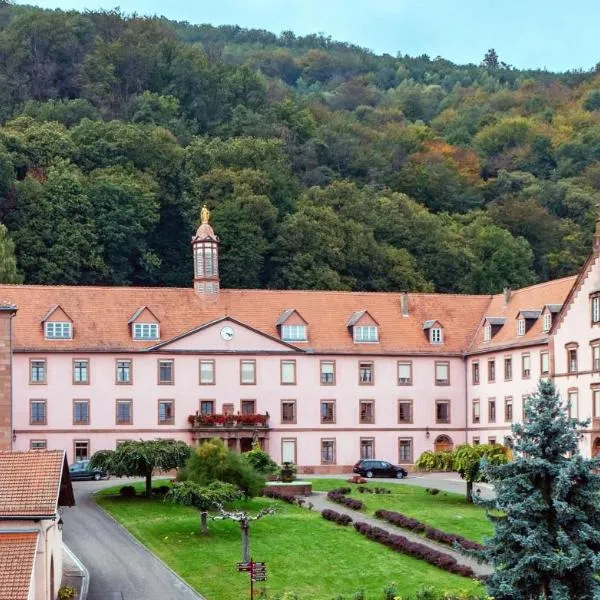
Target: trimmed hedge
{"type": "Point", "coordinates": [437, 535]}
{"type": "Point", "coordinates": [399, 543]}
{"type": "Point", "coordinates": [271, 493]}
{"type": "Point", "coordinates": [339, 497]}
{"type": "Point", "coordinates": [336, 517]}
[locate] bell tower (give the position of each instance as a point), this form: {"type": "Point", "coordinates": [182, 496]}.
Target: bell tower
{"type": "Point", "coordinates": [205, 245]}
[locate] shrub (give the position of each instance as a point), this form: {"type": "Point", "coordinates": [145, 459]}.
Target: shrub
{"type": "Point", "coordinates": [66, 592]}
{"type": "Point", "coordinates": [336, 517]}
{"type": "Point", "coordinates": [260, 460]}
{"type": "Point", "coordinates": [432, 491]}
{"type": "Point", "coordinates": [127, 491]}
{"type": "Point", "coordinates": [339, 497]}
{"type": "Point", "coordinates": [161, 490]}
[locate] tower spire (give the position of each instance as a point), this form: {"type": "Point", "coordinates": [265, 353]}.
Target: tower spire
{"type": "Point", "coordinates": [205, 246]}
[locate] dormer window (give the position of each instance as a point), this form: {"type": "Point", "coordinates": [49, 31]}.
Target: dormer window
{"type": "Point", "coordinates": [435, 335]}
{"type": "Point", "coordinates": [487, 333]}
{"type": "Point", "coordinates": [293, 333]}
{"type": "Point", "coordinates": [521, 327]}
{"type": "Point", "coordinates": [547, 322]}
{"type": "Point", "coordinates": [58, 330]}
{"type": "Point", "coordinates": [145, 331]}
{"type": "Point", "coordinates": [365, 333]}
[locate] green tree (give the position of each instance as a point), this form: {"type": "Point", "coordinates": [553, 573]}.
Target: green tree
{"type": "Point", "coordinates": [204, 498]}
{"type": "Point", "coordinates": [260, 460]}
{"type": "Point", "coordinates": [139, 458]}
{"type": "Point", "coordinates": [8, 262]}
{"type": "Point", "coordinates": [546, 542]}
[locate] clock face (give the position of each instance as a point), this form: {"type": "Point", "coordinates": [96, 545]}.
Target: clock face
{"type": "Point", "coordinates": [227, 333]}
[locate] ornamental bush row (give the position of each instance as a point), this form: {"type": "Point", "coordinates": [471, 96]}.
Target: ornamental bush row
{"type": "Point", "coordinates": [339, 497]}
{"type": "Point", "coordinates": [401, 544]}
{"type": "Point", "coordinates": [336, 517]}
{"type": "Point", "coordinates": [437, 535]}
{"type": "Point", "coordinates": [289, 498]}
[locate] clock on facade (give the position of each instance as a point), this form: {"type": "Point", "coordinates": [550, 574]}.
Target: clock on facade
{"type": "Point", "coordinates": [227, 333]}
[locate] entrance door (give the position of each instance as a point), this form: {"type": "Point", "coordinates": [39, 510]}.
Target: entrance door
{"type": "Point", "coordinates": [596, 447]}
{"type": "Point", "coordinates": [443, 443]}
{"type": "Point", "coordinates": [288, 451]}
{"type": "Point", "coordinates": [245, 444]}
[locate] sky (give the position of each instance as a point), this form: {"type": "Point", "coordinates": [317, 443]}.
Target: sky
{"type": "Point", "coordinates": [550, 34]}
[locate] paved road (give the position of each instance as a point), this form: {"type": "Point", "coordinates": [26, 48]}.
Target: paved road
{"type": "Point", "coordinates": [120, 568]}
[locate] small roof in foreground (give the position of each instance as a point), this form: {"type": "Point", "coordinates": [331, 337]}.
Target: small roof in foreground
{"type": "Point", "coordinates": [17, 556]}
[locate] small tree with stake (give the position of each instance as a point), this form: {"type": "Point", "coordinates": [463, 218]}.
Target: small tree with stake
{"type": "Point", "coordinates": [546, 543]}
{"type": "Point", "coordinates": [204, 498]}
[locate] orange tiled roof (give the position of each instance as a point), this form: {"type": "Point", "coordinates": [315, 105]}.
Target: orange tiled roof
{"type": "Point", "coordinates": [534, 298]}
{"type": "Point", "coordinates": [30, 482]}
{"type": "Point", "coordinates": [17, 556]}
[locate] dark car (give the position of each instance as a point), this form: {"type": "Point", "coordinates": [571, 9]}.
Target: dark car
{"type": "Point", "coordinates": [82, 470]}
{"type": "Point", "coordinates": [379, 468]}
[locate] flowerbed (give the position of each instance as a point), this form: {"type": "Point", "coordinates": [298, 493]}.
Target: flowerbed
{"type": "Point", "coordinates": [285, 497]}
{"type": "Point", "coordinates": [339, 497]}
{"type": "Point", "coordinates": [437, 535]}
{"type": "Point", "coordinates": [212, 420]}
{"type": "Point", "coordinates": [336, 517]}
{"type": "Point", "coordinates": [399, 543]}
{"type": "Point", "coordinates": [374, 490]}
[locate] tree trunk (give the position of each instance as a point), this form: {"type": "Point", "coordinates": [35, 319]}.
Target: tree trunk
{"type": "Point", "coordinates": [203, 522]}
{"type": "Point", "coordinates": [469, 492]}
{"type": "Point", "coordinates": [245, 544]}
{"type": "Point", "coordinates": [148, 482]}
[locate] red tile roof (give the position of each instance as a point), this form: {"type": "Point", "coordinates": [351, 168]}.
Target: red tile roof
{"type": "Point", "coordinates": [17, 557]}
{"type": "Point", "coordinates": [30, 482]}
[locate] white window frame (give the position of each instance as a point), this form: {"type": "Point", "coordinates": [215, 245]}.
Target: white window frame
{"type": "Point", "coordinates": [547, 322]}
{"type": "Point", "coordinates": [146, 331]}
{"type": "Point", "coordinates": [366, 334]}
{"type": "Point", "coordinates": [436, 335]}
{"type": "Point", "coordinates": [293, 333]}
{"type": "Point", "coordinates": [58, 330]}
{"type": "Point", "coordinates": [487, 333]}
{"type": "Point", "coordinates": [573, 403]}
{"type": "Point", "coordinates": [596, 309]}
{"type": "Point", "coordinates": [520, 327]}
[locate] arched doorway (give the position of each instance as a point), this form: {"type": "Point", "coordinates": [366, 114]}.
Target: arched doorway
{"type": "Point", "coordinates": [443, 443]}
{"type": "Point", "coordinates": [596, 447]}
{"type": "Point", "coordinates": [52, 595]}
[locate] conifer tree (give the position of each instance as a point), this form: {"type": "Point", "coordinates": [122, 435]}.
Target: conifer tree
{"type": "Point", "coordinates": [547, 540]}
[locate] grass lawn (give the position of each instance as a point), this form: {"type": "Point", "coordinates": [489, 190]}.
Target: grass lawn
{"type": "Point", "coordinates": [304, 553]}
{"type": "Point", "coordinates": [445, 511]}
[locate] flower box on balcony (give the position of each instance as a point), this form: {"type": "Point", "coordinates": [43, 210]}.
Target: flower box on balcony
{"type": "Point", "coordinates": [219, 420]}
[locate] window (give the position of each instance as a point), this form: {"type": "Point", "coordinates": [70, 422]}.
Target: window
{"type": "Point", "coordinates": [525, 366]}
{"type": "Point", "coordinates": [56, 330]}
{"type": "Point", "coordinates": [366, 376]}
{"type": "Point", "coordinates": [596, 355]}
{"type": "Point", "coordinates": [572, 359]}
{"type": "Point", "coordinates": [365, 333]}
{"type": "Point", "coordinates": [508, 409]}
{"type": "Point", "coordinates": [405, 450]}
{"type": "Point", "coordinates": [404, 373]}
{"type": "Point", "coordinates": [288, 411]}
{"type": "Point", "coordinates": [366, 411]}
{"type": "Point", "coordinates": [327, 452]}
{"type": "Point", "coordinates": [545, 363]}
{"type": "Point", "coordinates": [595, 300]}
{"type": "Point", "coordinates": [37, 444]}
{"type": "Point", "coordinates": [442, 373]}
{"type": "Point", "coordinates": [166, 412]}
{"type": "Point", "coordinates": [507, 369]}
{"type": "Point", "coordinates": [288, 450]}
{"type": "Point", "coordinates": [81, 412]}
{"type": "Point", "coordinates": [476, 411]}
{"type": "Point", "coordinates": [476, 441]}
{"type": "Point", "coordinates": [573, 408]}
{"type": "Point", "coordinates": [492, 411]}
{"type": "Point", "coordinates": [491, 370]}
{"type": "Point", "coordinates": [165, 372]}
{"type": "Point", "coordinates": [475, 373]}
{"type": "Point", "coordinates": [435, 335]}
{"type": "Point", "coordinates": [547, 322]}
{"type": "Point", "coordinates": [596, 402]}
{"type": "Point", "coordinates": [487, 333]}
{"type": "Point", "coordinates": [145, 331]}
{"type": "Point", "coordinates": [207, 372]}
{"type": "Point", "coordinates": [37, 370]}
{"type": "Point", "coordinates": [491, 441]}
{"type": "Point", "coordinates": [288, 372]}
{"type": "Point", "coordinates": [37, 412]}
{"type": "Point", "coordinates": [124, 371]}
{"type": "Point", "coordinates": [367, 448]}
{"type": "Point", "coordinates": [521, 327]}
{"type": "Point", "coordinates": [442, 411]}
{"type": "Point", "coordinates": [227, 409]}
{"type": "Point", "coordinates": [81, 371]}
{"type": "Point", "coordinates": [327, 372]}
{"type": "Point", "coordinates": [248, 407]}
{"type": "Point", "coordinates": [293, 333]}
{"type": "Point", "coordinates": [81, 450]}
{"type": "Point", "coordinates": [248, 372]}
{"type": "Point", "coordinates": [207, 407]}
{"type": "Point", "coordinates": [405, 411]}
{"type": "Point", "coordinates": [327, 411]}
{"type": "Point", "coordinates": [124, 412]}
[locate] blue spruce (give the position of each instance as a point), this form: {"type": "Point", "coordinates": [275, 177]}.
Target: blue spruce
{"type": "Point", "coordinates": [547, 510]}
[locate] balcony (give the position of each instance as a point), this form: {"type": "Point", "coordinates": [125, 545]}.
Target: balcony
{"type": "Point", "coordinates": [238, 432]}
{"type": "Point", "coordinates": [253, 421]}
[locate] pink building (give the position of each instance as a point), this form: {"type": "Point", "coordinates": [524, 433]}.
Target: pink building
{"type": "Point", "coordinates": [320, 378]}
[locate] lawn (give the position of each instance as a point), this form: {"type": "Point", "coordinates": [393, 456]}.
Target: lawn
{"type": "Point", "coordinates": [445, 510]}
{"type": "Point", "coordinates": [304, 553]}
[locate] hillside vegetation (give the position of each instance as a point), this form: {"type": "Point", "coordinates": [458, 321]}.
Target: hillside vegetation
{"type": "Point", "coordinates": [326, 166]}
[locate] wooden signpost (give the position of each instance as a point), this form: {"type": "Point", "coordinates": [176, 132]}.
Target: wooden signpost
{"type": "Point", "coordinates": [256, 570]}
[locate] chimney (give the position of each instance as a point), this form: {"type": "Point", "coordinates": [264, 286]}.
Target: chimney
{"type": "Point", "coordinates": [404, 304]}
{"type": "Point", "coordinates": [506, 295]}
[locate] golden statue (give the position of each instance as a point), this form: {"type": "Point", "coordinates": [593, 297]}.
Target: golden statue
{"type": "Point", "coordinates": [204, 214]}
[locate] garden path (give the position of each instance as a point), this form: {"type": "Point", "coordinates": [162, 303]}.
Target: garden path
{"type": "Point", "coordinates": [320, 502]}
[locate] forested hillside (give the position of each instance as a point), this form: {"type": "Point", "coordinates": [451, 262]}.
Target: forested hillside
{"type": "Point", "coordinates": [326, 166]}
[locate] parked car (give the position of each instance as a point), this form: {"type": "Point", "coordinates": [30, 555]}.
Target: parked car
{"type": "Point", "coordinates": [379, 468]}
{"type": "Point", "coordinates": [82, 470]}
